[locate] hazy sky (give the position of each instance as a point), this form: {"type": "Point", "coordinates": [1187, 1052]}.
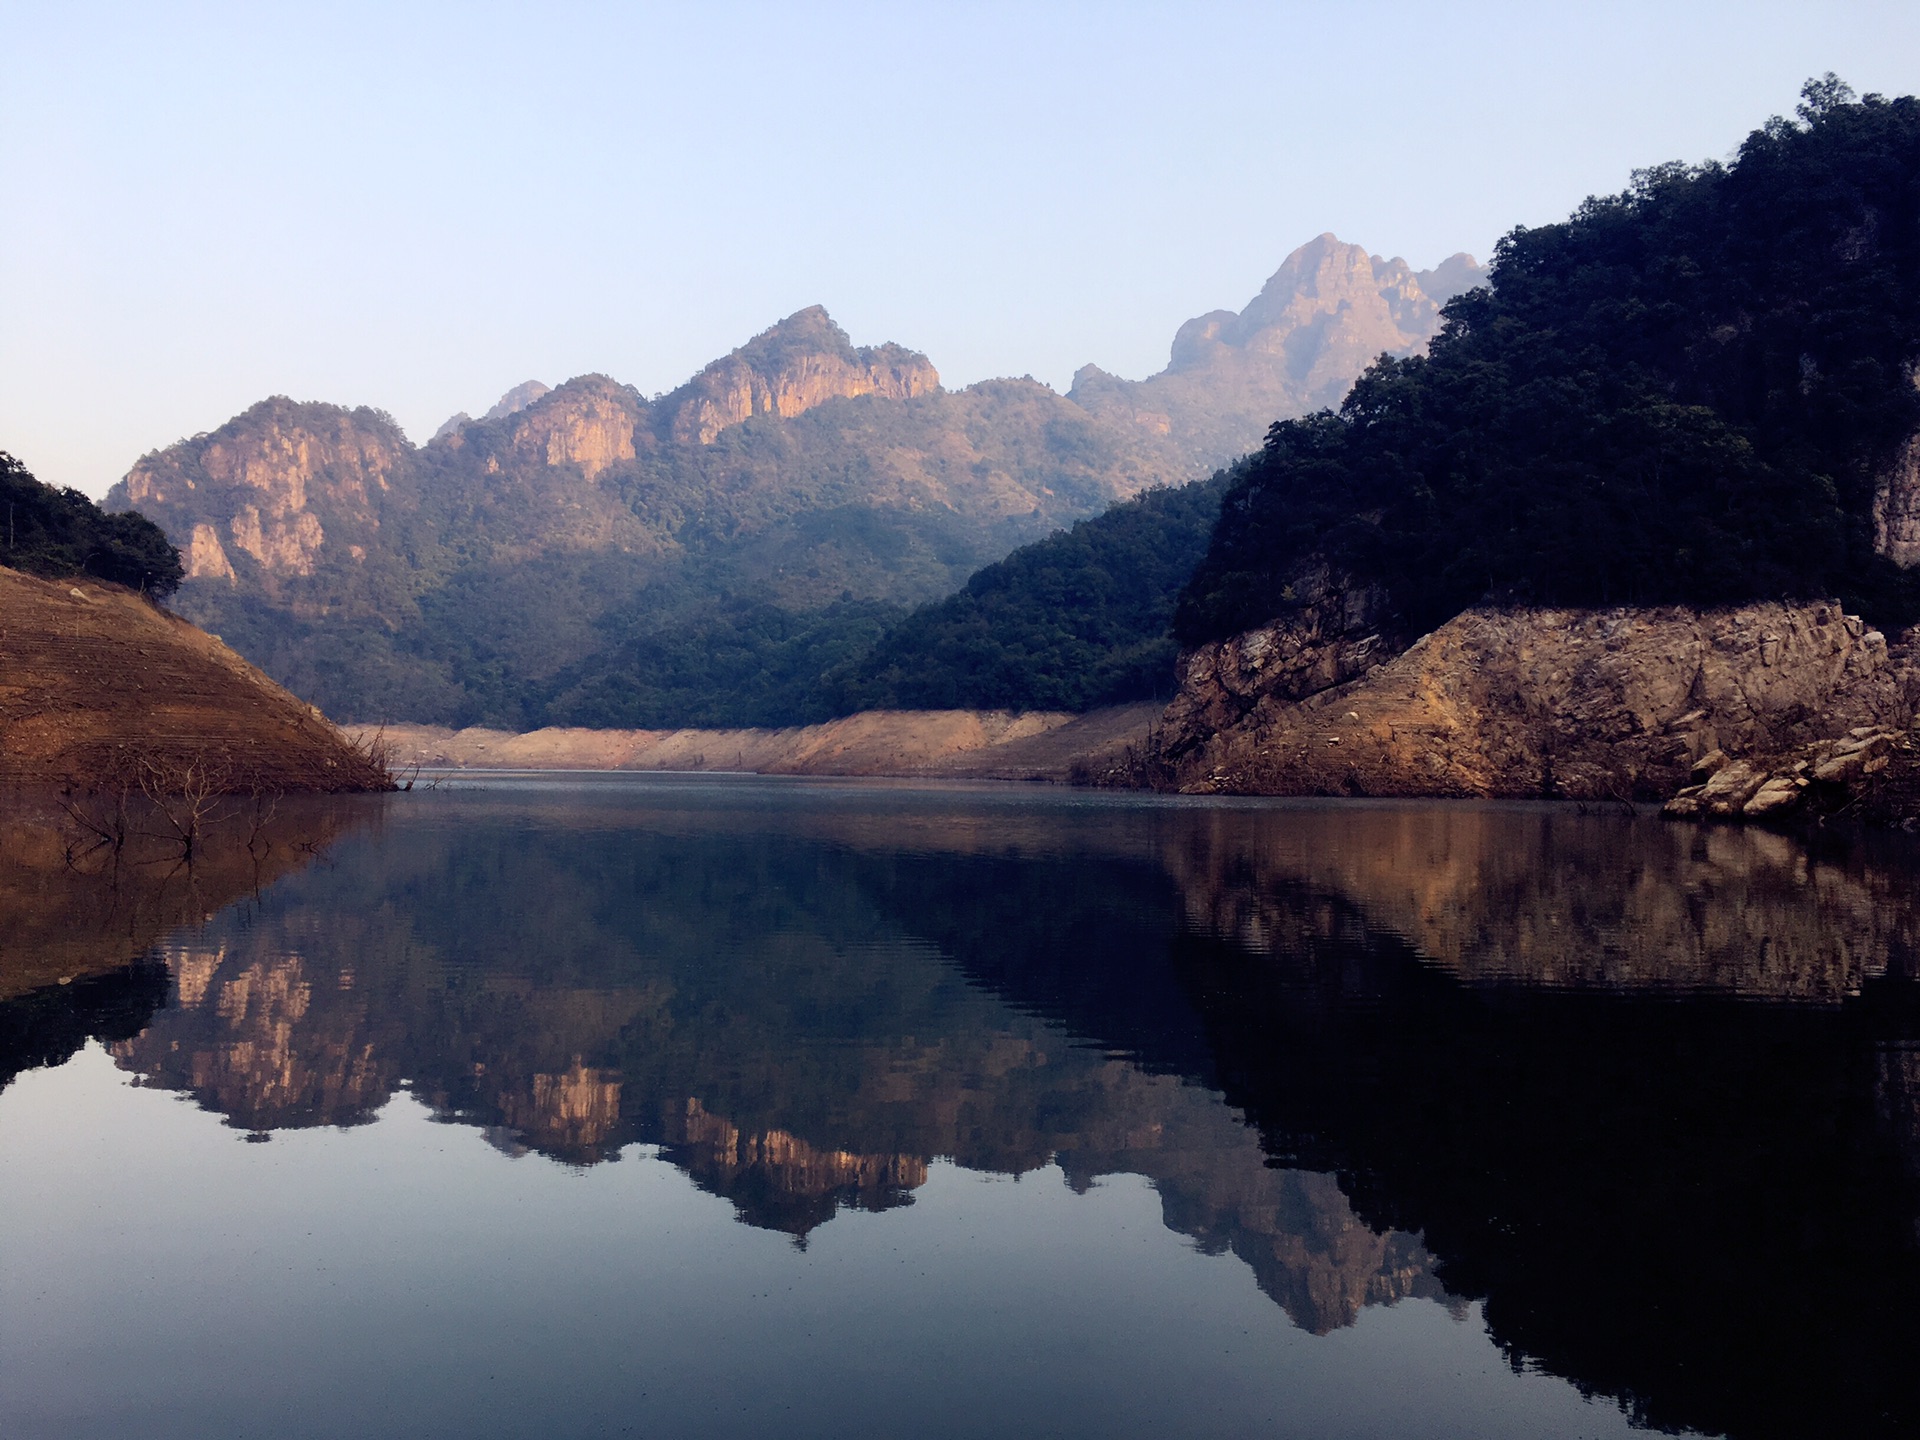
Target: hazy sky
{"type": "Point", "coordinates": [418, 206]}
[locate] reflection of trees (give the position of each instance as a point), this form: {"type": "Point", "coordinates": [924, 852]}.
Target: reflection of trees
{"type": "Point", "coordinates": [75, 909]}
{"type": "Point", "coordinates": [1446, 1028]}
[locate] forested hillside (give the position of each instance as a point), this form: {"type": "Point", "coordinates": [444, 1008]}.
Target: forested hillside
{"type": "Point", "coordinates": [1700, 390]}
{"type": "Point", "coordinates": [1078, 620]}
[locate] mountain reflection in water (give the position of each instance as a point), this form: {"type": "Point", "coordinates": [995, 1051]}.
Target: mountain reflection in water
{"type": "Point", "coordinates": [1649, 1092]}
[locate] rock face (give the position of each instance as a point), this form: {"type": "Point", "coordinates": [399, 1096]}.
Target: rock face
{"type": "Point", "coordinates": [1338, 631]}
{"type": "Point", "coordinates": [1896, 507]}
{"type": "Point", "coordinates": [270, 488]}
{"type": "Point", "coordinates": [1328, 312]}
{"type": "Point", "coordinates": [100, 690]}
{"type": "Point", "coordinates": [1871, 773]}
{"type": "Point", "coordinates": [802, 362]}
{"type": "Point", "coordinates": [1584, 704]}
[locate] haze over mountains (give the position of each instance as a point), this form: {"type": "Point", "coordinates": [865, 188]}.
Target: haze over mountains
{"type": "Point", "coordinates": [1327, 313]}
{"type": "Point", "coordinates": [588, 555]}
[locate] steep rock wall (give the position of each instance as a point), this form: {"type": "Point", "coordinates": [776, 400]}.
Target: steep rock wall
{"type": "Point", "coordinates": [269, 488]}
{"type": "Point", "coordinates": [804, 361]}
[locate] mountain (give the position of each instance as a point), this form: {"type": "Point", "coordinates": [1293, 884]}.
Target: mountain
{"type": "Point", "coordinates": [1327, 313]}
{"type": "Point", "coordinates": [1700, 391]}
{"type": "Point", "coordinates": [589, 555]}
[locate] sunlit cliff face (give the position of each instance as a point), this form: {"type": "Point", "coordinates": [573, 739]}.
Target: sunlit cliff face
{"type": "Point", "coordinates": [804, 361]}
{"type": "Point", "coordinates": [268, 477]}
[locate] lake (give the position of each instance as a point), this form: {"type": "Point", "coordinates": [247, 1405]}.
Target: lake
{"type": "Point", "coordinates": [661, 1105]}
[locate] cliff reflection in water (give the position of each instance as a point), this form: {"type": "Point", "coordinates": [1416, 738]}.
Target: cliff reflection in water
{"type": "Point", "coordinates": [1509, 1054]}
{"type": "Point", "coordinates": [80, 916]}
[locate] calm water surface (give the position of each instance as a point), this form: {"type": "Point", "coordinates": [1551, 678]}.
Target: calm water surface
{"type": "Point", "coordinates": [713, 1106]}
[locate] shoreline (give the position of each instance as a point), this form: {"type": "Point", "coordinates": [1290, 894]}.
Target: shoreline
{"type": "Point", "coordinates": [883, 744]}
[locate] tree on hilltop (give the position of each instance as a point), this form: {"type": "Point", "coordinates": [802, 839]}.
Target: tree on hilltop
{"type": "Point", "coordinates": [56, 533]}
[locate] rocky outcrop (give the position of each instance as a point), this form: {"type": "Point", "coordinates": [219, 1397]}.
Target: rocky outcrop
{"type": "Point", "coordinates": [1896, 507]}
{"type": "Point", "coordinates": [98, 689]}
{"type": "Point", "coordinates": [1337, 630]}
{"type": "Point", "coordinates": [269, 488]}
{"type": "Point", "coordinates": [1327, 313]}
{"type": "Point", "coordinates": [802, 362]}
{"type": "Point", "coordinates": [589, 422]}
{"type": "Point", "coordinates": [1871, 773]}
{"type": "Point", "coordinates": [1527, 702]}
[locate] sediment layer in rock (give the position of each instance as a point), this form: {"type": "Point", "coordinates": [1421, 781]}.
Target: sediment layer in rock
{"type": "Point", "coordinates": [1528, 702]}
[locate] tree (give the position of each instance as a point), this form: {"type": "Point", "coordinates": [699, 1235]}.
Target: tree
{"type": "Point", "coordinates": [56, 533]}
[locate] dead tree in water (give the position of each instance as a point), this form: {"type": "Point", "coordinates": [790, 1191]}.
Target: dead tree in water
{"type": "Point", "coordinates": [185, 794]}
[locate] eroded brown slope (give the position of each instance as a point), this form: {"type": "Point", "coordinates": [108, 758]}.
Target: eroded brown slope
{"type": "Point", "coordinates": [99, 687]}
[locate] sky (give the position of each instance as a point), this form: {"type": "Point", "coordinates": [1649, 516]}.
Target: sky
{"type": "Point", "coordinates": [418, 206]}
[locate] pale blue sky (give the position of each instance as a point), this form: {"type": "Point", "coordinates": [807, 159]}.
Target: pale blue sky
{"type": "Point", "coordinates": [417, 206]}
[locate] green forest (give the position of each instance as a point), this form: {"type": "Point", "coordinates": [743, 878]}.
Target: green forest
{"type": "Point", "coordinates": [1682, 393]}
{"type": "Point", "coordinates": [57, 533]}
{"type": "Point", "coordinates": [1080, 619]}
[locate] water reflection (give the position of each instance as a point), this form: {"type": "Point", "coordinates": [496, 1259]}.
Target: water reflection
{"type": "Point", "coordinates": [1505, 1054]}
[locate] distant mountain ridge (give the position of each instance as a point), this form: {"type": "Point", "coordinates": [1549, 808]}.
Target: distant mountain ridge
{"type": "Point", "coordinates": [585, 554]}
{"type": "Point", "coordinates": [1328, 312]}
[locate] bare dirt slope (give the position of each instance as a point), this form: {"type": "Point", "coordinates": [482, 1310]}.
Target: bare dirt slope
{"type": "Point", "coordinates": [959, 743]}
{"type": "Point", "coordinates": [98, 687]}
{"type": "Point", "coordinates": [1087, 745]}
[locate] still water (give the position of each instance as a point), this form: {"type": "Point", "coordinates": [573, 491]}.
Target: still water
{"type": "Point", "coordinates": [715, 1106]}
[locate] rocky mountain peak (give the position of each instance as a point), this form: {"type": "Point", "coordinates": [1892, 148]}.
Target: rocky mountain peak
{"type": "Point", "coordinates": [517, 399]}
{"type": "Point", "coordinates": [1321, 318]}
{"type": "Point", "coordinates": [591, 421]}
{"type": "Point", "coordinates": [270, 475]}
{"type": "Point", "coordinates": [804, 361]}
{"type": "Point", "coordinates": [1323, 315]}
{"type": "Point", "coordinates": [1453, 276]}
